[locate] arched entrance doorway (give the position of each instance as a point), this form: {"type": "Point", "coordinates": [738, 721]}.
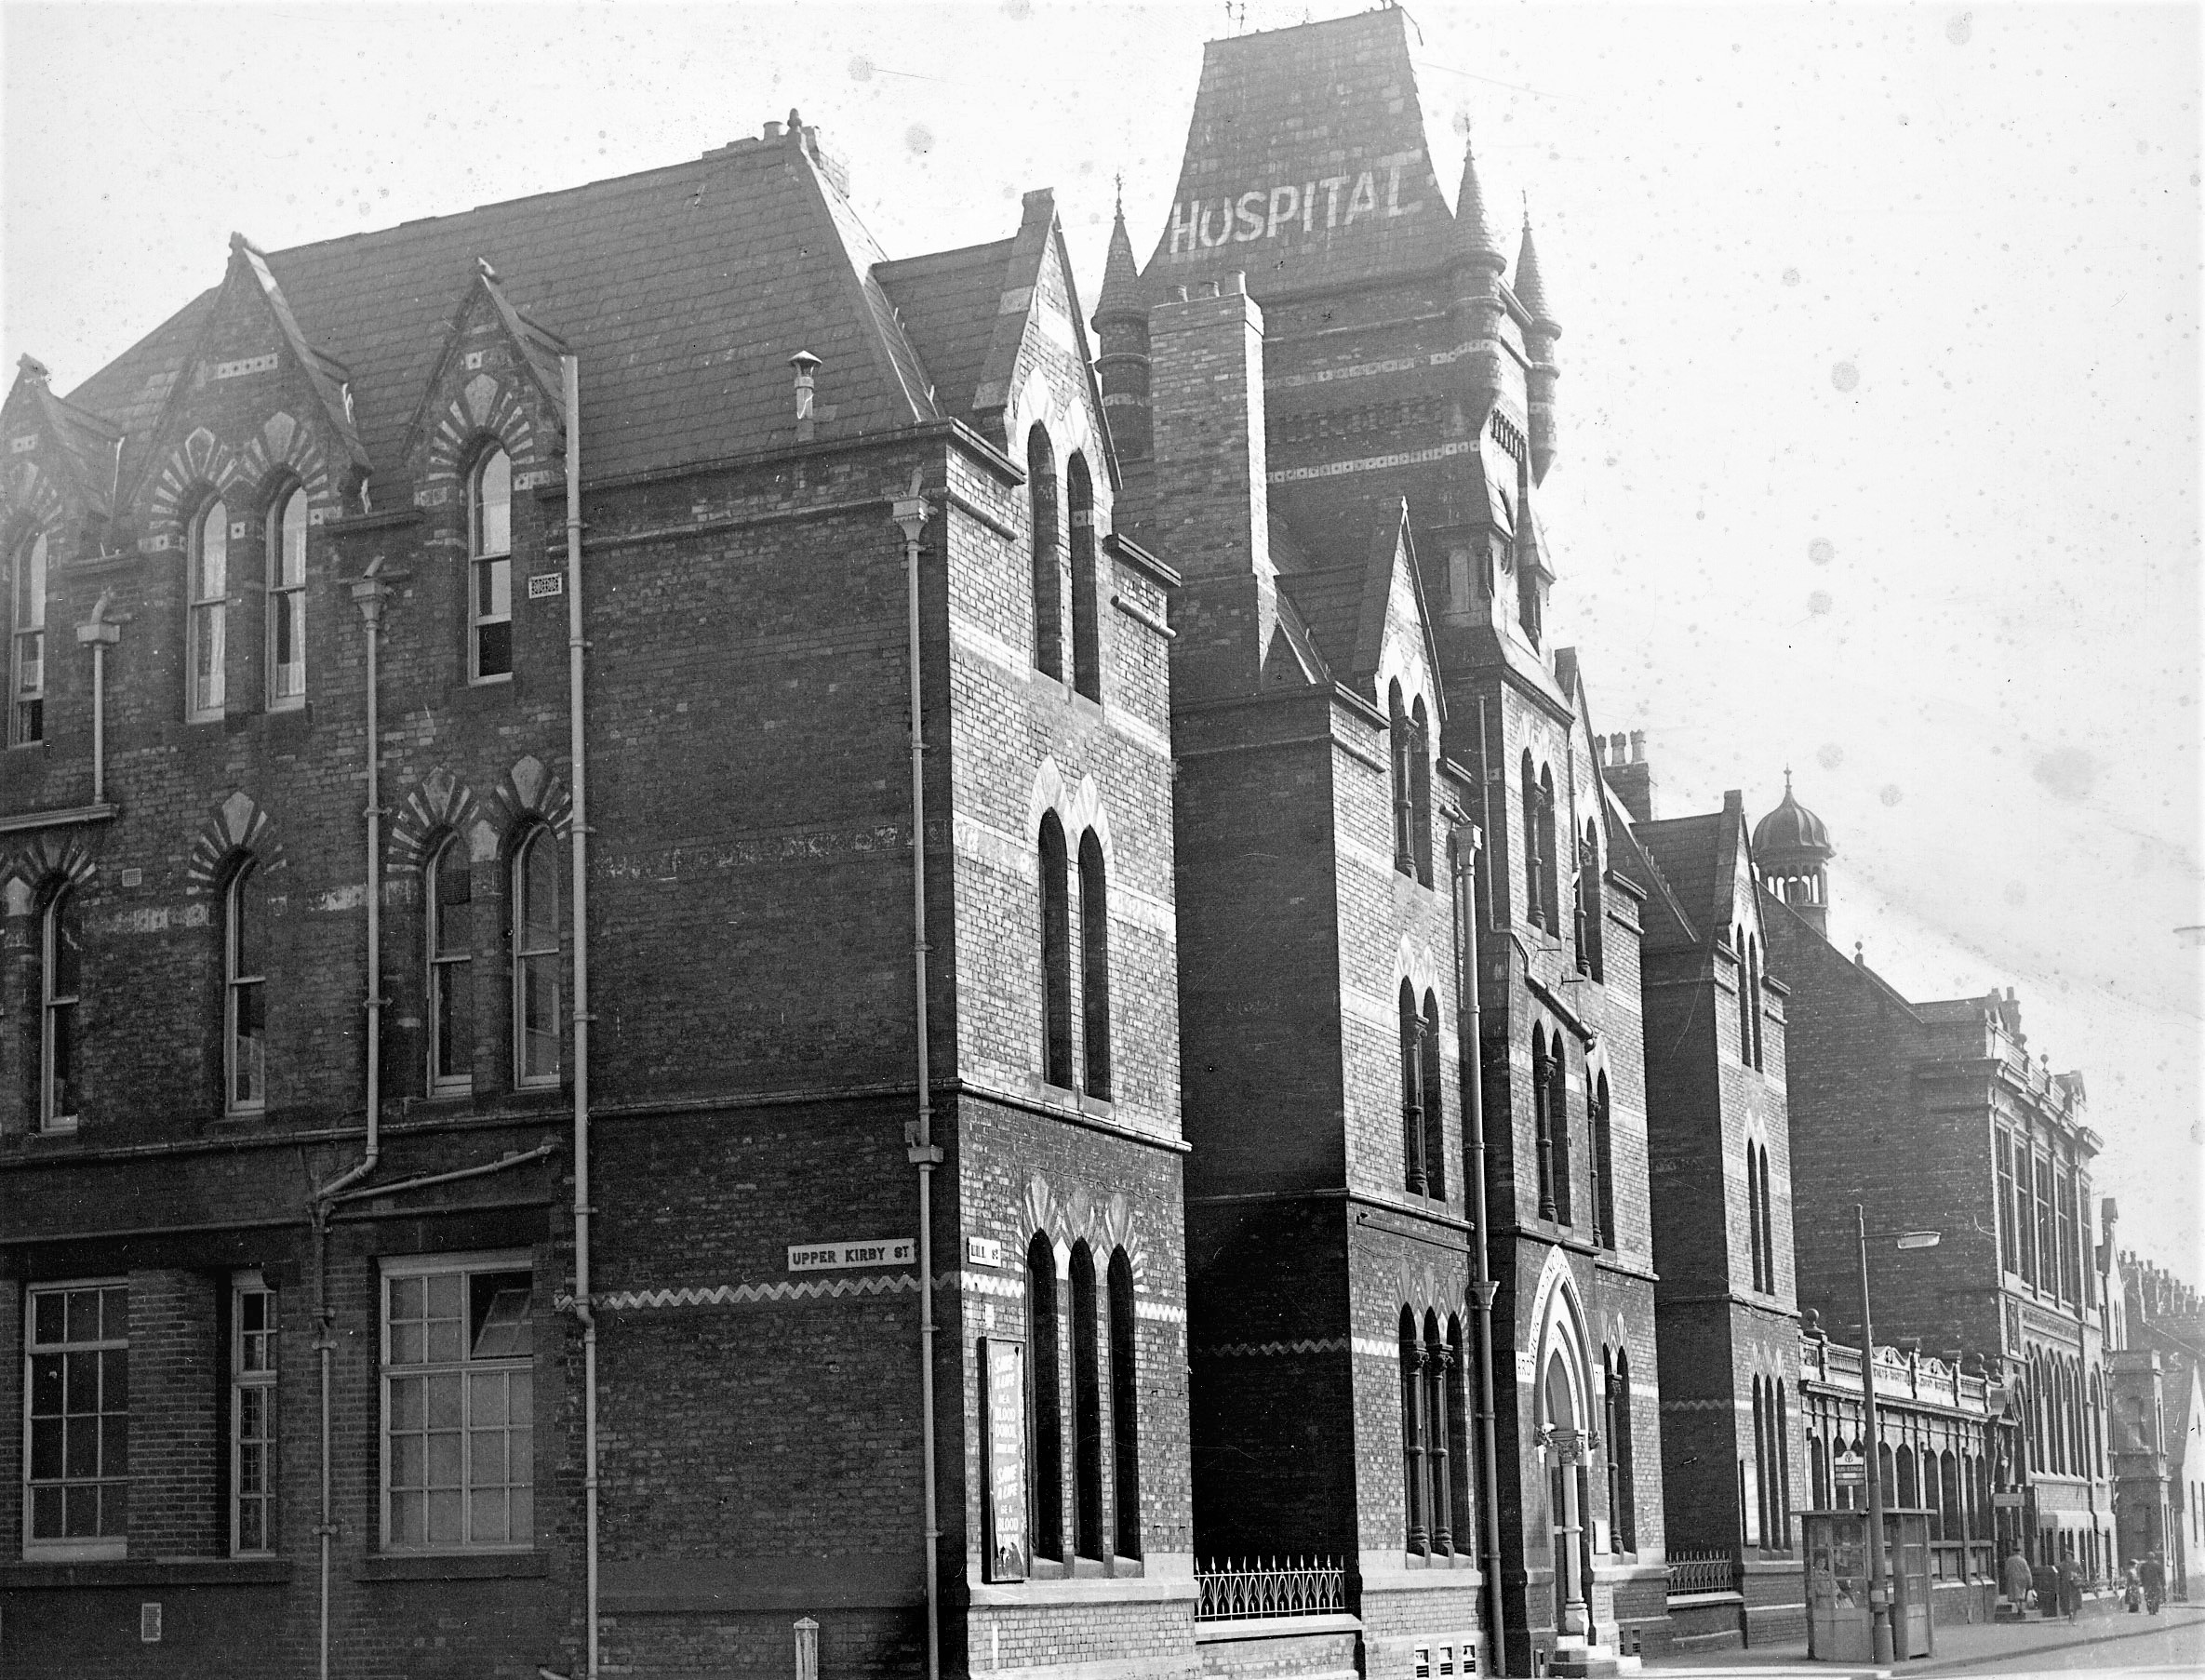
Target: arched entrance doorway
{"type": "Point", "coordinates": [1569, 1494]}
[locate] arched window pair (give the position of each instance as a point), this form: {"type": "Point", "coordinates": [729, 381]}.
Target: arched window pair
{"type": "Point", "coordinates": [206, 621]}
{"type": "Point", "coordinates": [26, 646]}
{"type": "Point", "coordinates": [1434, 1433]}
{"type": "Point", "coordinates": [1773, 1467]}
{"type": "Point", "coordinates": [1541, 881]}
{"type": "Point", "coordinates": [1622, 1486]}
{"type": "Point", "coordinates": [1749, 995]}
{"type": "Point", "coordinates": [1422, 1130]}
{"type": "Point", "coordinates": [1057, 961]}
{"type": "Point", "coordinates": [1408, 736]}
{"type": "Point", "coordinates": [1550, 1115]}
{"type": "Point", "coordinates": [1759, 1223]}
{"type": "Point", "coordinates": [1049, 553]}
{"type": "Point", "coordinates": [1088, 1387]}
{"type": "Point", "coordinates": [58, 988]}
{"type": "Point", "coordinates": [448, 917]}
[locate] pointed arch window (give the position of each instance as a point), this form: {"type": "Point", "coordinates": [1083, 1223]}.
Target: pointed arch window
{"type": "Point", "coordinates": [1589, 907]}
{"type": "Point", "coordinates": [1455, 1394]}
{"type": "Point", "coordinates": [1047, 558]}
{"type": "Point", "coordinates": [1745, 1005]}
{"type": "Point", "coordinates": [26, 684]}
{"type": "Point", "coordinates": [535, 959]}
{"type": "Point", "coordinates": [1550, 865]}
{"type": "Point", "coordinates": [1543, 1121]}
{"type": "Point", "coordinates": [1398, 740]}
{"type": "Point", "coordinates": [1557, 1127]}
{"type": "Point", "coordinates": [1781, 1444]}
{"type": "Point", "coordinates": [449, 926]}
{"type": "Point", "coordinates": [1094, 964]}
{"type": "Point", "coordinates": [1087, 1407]}
{"type": "Point", "coordinates": [244, 992]}
{"type": "Point", "coordinates": [1752, 996]}
{"type": "Point", "coordinates": [1087, 621]}
{"type": "Point", "coordinates": [1419, 789]}
{"type": "Point", "coordinates": [287, 599]}
{"type": "Point", "coordinates": [1125, 1411]}
{"type": "Point", "coordinates": [60, 953]}
{"type": "Point", "coordinates": [1427, 1474]}
{"type": "Point", "coordinates": [489, 567]}
{"type": "Point", "coordinates": [1056, 955]}
{"type": "Point", "coordinates": [1623, 1457]}
{"type": "Point", "coordinates": [1534, 869]}
{"type": "Point", "coordinates": [206, 620]}
{"type": "Point", "coordinates": [1753, 1213]}
{"type": "Point", "coordinates": [1047, 1409]}
{"type": "Point", "coordinates": [1767, 1226]}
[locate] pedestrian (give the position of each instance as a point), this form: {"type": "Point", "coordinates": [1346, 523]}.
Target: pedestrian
{"type": "Point", "coordinates": [2017, 1578]}
{"type": "Point", "coordinates": [2132, 1590]}
{"type": "Point", "coordinates": [2070, 1586]}
{"type": "Point", "coordinates": [2154, 1577]}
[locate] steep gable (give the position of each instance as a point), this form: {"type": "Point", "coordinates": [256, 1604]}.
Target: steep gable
{"type": "Point", "coordinates": [60, 461]}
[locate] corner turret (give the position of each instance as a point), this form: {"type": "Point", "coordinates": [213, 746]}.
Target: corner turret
{"type": "Point", "coordinates": [1476, 263]}
{"type": "Point", "coordinates": [1122, 363]}
{"type": "Point", "coordinates": [1539, 344]}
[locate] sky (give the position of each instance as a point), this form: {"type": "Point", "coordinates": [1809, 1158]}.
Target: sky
{"type": "Point", "coordinates": [1879, 409]}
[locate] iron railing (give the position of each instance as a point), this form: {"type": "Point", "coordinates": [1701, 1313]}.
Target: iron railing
{"type": "Point", "coordinates": [1702, 1569]}
{"type": "Point", "coordinates": [1249, 1588]}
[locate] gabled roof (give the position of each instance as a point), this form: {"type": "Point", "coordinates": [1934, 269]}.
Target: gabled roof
{"type": "Point", "coordinates": [539, 351]}
{"type": "Point", "coordinates": [1664, 919]}
{"type": "Point", "coordinates": [1699, 860]}
{"type": "Point", "coordinates": [83, 442]}
{"type": "Point", "coordinates": [947, 302]}
{"type": "Point", "coordinates": [1344, 606]}
{"type": "Point", "coordinates": [684, 290]}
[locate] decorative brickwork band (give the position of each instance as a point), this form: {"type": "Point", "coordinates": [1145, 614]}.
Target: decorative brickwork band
{"type": "Point", "coordinates": [746, 1295]}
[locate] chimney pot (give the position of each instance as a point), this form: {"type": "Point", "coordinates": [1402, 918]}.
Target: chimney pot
{"type": "Point", "coordinates": [1233, 285]}
{"type": "Point", "coordinates": [1638, 746]}
{"type": "Point", "coordinates": [772, 131]}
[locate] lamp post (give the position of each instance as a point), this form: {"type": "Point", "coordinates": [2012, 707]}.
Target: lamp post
{"type": "Point", "coordinates": [1879, 1591]}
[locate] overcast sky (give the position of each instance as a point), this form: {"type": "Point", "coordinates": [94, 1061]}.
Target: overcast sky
{"type": "Point", "coordinates": [1879, 412]}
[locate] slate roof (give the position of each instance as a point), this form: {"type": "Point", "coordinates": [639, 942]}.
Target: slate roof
{"type": "Point", "coordinates": [947, 301]}
{"type": "Point", "coordinates": [1288, 107]}
{"type": "Point", "coordinates": [683, 290]}
{"type": "Point", "coordinates": [1330, 603]}
{"type": "Point", "coordinates": [1688, 852]}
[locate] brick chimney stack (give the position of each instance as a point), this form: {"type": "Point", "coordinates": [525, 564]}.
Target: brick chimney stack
{"type": "Point", "coordinates": [1213, 505]}
{"type": "Point", "coordinates": [1628, 773]}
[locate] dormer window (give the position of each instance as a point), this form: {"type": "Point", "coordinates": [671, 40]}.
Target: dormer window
{"type": "Point", "coordinates": [26, 687]}
{"type": "Point", "coordinates": [287, 600]}
{"type": "Point", "coordinates": [206, 628]}
{"type": "Point", "coordinates": [490, 569]}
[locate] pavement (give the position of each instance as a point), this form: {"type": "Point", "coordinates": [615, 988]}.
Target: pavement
{"type": "Point", "coordinates": [2111, 1640]}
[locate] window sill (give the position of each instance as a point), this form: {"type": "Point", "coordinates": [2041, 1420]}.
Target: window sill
{"type": "Point", "coordinates": [172, 1572]}
{"type": "Point", "coordinates": [453, 1566]}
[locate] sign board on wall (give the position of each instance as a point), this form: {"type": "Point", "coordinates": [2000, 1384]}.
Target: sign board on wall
{"type": "Point", "coordinates": [846, 1255]}
{"type": "Point", "coordinates": [1848, 1470]}
{"type": "Point", "coordinates": [1003, 1428]}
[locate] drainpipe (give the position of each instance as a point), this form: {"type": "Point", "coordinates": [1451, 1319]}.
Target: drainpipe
{"type": "Point", "coordinates": [570, 378]}
{"type": "Point", "coordinates": [1466, 841]}
{"type": "Point", "coordinates": [99, 632]}
{"type": "Point", "coordinates": [370, 594]}
{"type": "Point", "coordinates": [910, 514]}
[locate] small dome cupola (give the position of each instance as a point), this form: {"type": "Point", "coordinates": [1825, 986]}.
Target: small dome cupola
{"type": "Point", "coordinates": [1792, 852]}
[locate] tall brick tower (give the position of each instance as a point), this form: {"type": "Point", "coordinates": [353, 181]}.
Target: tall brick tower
{"type": "Point", "coordinates": [1375, 645]}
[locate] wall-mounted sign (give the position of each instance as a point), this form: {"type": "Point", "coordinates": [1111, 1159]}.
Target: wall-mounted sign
{"type": "Point", "coordinates": [1003, 1428]}
{"type": "Point", "coordinates": [983, 1251]}
{"type": "Point", "coordinates": [1848, 1470]}
{"type": "Point", "coordinates": [544, 585]}
{"type": "Point", "coordinates": [844, 1257]}
{"type": "Point", "coordinates": [2006, 1501]}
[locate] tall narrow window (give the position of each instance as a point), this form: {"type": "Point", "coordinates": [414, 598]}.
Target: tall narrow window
{"type": "Point", "coordinates": [1400, 750]}
{"type": "Point", "coordinates": [1416, 1488]}
{"type": "Point", "coordinates": [26, 687]}
{"type": "Point", "coordinates": [1784, 1471]}
{"type": "Point", "coordinates": [252, 1415]}
{"type": "Point", "coordinates": [1087, 1407]}
{"type": "Point", "coordinates": [1768, 1225]}
{"type": "Point", "coordinates": [489, 567]}
{"type": "Point", "coordinates": [1542, 1122]}
{"type": "Point", "coordinates": [1753, 1215]}
{"type": "Point", "coordinates": [1557, 1125]}
{"type": "Point", "coordinates": [1590, 911]}
{"type": "Point", "coordinates": [207, 627]}
{"type": "Point", "coordinates": [1626, 1448]}
{"type": "Point", "coordinates": [1086, 602]}
{"type": "Point", "coordinates": [1550, 896]}
{"type": "Point", "coordinates": [78, 1407]}
{"type": "Point", "coordinates": [1753, 994]}
{"type": "Point", "coordinates": [60, 953]}
{"type": "Point", "coordinates": [1457, 1423]}
{"type": "Point", "coordinates": [1094, 964]}
{"type": "Point", "coordinates": [1125, 1411]}
{"type": "Point", "coordinates": [1419, 789]}
{"type": "Point", "coordinates": [1056, 955]}
{"type": "Point", "coordinates": [2009, 1254]}
{"type": "Point", "coordinates": [450, 927]}
{"type": "Point", "coordinates": [536, 960]}
{"type": "Point", "coordinates": [1603, 1163]}
{"type": "Point", "coordinates": [1745, 1007]}
{"type": "Point", "coordinates": [287, 600]}
{"type": "Point", "coordinates": [1415, 1168]}
{"type": "Point", "coordinates": [458, 1406]}
{"type": "Point", "coordinates": [1439, 1462]}
{"type": "Point", "coordinates": [244, 993]}
{"type": "Point", "coordinates": [1046, 1410]}
{"type": "Point", "coordinates": [1434, 1110]}
{"type": "Point", "coordinates": [1047, 559]}
{"type": "Point", "coordinates": [1534, 871]}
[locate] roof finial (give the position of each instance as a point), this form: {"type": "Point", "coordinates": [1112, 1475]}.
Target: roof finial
{"type": "Point", "coordinates": [1787, 781]}
{"type": "Point", "coordinates": [1119, 181]}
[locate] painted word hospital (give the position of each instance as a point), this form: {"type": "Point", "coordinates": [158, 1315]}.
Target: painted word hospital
{"type": "Point", "coordinates": [724, 954]}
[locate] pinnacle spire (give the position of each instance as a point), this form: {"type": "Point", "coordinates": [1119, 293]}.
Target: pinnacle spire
{"type": "Point", "coordinates": [1531, 289]}
{"type": "Point", "coordinates": [1473, 229]}
{"type": "Point", "coordinates": [1121, 275]}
